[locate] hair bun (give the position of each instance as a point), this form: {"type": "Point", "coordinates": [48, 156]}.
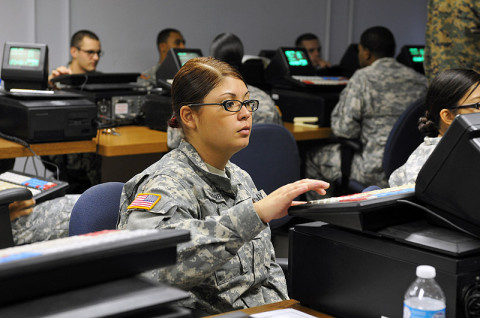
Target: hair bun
{"type": "Point", "coordinates": [173, 122]}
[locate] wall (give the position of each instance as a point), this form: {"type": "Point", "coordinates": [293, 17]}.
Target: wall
{"type": "Point", "coordinates": [128, 29]}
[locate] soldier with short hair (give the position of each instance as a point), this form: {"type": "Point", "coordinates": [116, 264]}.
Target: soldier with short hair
{"type": "Point", "coordinates": [369, 105]}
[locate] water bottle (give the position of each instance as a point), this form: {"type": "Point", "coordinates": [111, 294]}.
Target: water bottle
{"type": "Point", "coordinates": [424, 298]}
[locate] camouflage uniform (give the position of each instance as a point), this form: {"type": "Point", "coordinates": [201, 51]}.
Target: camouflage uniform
{"type": "Point", "coordinates": [266, 113]}
{"type": "Point", "coordinates": [148, 78]}
{"type": "Point", "coordinates": [229, 262]}
{"type": "Point", "coordinates": [49, 220]}
{"type": "Point", "coordinates": [453, 36]}
{"type": "Point", "coordinates": [374, 98]}
{"type": "Point", "coordinates": [409, 171]}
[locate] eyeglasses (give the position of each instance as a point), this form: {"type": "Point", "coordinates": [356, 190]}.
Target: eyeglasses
{"type": "Point", "coordinates": [476, 106]}
{"type": "Point", "coordinates": [233, 105]}
{"type": "Point", "coordinates": [91, 53]}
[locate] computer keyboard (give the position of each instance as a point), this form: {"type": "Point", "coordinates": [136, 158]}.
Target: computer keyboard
{"type": "Point", "coordinates": [369, 198]}
{"type": "Point", "coordinates": [321, 80]}
{"type": "Point", "coordinates": [43, 268]}
{"type": "Point", "coordinates": [361, 211]}
{"type": "Point", "coordinates": [42, 188]}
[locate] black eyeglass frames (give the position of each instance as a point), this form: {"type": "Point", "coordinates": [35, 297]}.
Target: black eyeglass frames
{"type": "Point", "coordinates": [233, 105]}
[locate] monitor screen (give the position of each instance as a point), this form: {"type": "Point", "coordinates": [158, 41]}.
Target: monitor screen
{"type": "Point", "coordinates": [184, 56]}
{"type": "Point", "coordinates": [287, 62]}
{"type": "Point", "coordinates": [296, 57]}
{"type": "Point", "coordinates": [416, 54]}
{"type": "Point", "coordinates": [25, 65]}
{"type": "Point", "coordinates": [448, 181]}
{"type": "Point", "coordinates": [412, 56]}
{"type": "Point", "coordinates": [24, 56]}
{"type": "Point", "coordinates": [175, 59]}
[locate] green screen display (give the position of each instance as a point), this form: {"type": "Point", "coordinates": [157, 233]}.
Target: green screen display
{"type": "Point", "coordinates": [417, 54]}
{"type": "Point", "coordinates": [185, 56]}
{"type": "Point", "coordinates": [21, 56]}
{"type": "Point", "coordinates": [296, 58]}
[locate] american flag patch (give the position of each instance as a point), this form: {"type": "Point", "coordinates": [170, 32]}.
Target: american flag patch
{"type": "Point", "coordinates": [145, 201]}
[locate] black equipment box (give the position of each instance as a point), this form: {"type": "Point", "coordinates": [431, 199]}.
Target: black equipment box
{"type": "Point", "coordinates": [348, 273]}
{"type": "Point", "coordinates": [46, 118]}
{"type": "Point", "coordinates": [295, 103]}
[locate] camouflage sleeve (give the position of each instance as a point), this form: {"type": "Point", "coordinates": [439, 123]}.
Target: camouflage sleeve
{"type": "Point", "coordinates": [409, 171]}
{"type": "Point", "coordinates": [347, 114]}
{"type": "Point", "coordinates": [214, 239]}
{"type": "Point", "coordinates": [49, 220]}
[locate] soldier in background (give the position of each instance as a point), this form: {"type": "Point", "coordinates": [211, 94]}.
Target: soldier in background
{"type": "Point", "coordinates": [166, 39]}
{"type": "Point", "coordinates": [452, 38]}
{"type": "Point", "coordinates": [369, 105]}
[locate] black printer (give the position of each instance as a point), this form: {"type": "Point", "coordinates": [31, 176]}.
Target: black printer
{"type": "Point", "coordinates": [60, 116]}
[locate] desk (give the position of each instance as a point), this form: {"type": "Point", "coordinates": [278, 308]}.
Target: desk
{"type": "Point", "coordinates": [301, 133]}
{"type": "Point", "coordinates": [9, 149]}
{"type": "Point", "coordinates": [294, 304]}
{"type": "Point", "coordinates": [136, 140]}
{"type": "Point", "coordinates": [133, 140]}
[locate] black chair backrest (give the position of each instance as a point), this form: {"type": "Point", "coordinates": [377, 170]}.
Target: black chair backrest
{"type": "Point", "coordinates": [404, 137]}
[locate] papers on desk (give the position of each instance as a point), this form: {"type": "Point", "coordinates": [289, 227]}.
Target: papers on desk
{"type": "Point", "coordinates": [282, 313]}
{"type": "Point", "coordinates": [306, 121]}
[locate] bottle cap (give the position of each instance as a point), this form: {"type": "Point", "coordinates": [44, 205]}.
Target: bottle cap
{"type": "Point", "coordinates": [426, 271]}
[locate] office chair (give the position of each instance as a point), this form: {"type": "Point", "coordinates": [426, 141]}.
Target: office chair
{"type": "Point", "coordinates": [404, 137]}
{"type": "Point", "coordinates": [349, 62]}
{"type": "Point", "coordinates": [272, 160]}
{"type": "Point", "coordinates": [7, 196]}
{"type": "Point", "coordinates": [253, 71]}
{"type": "Point", "coordinates": [97, 209]}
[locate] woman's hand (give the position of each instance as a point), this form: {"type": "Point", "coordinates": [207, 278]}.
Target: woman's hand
{"type": "Point", "coordinates": [276, 204]}
{"type": "Point", "coordinates": [20, 208]}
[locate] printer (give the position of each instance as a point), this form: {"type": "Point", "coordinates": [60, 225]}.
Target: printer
{"type": "Point", "coordinates": [359, 260]}
{"type": "Point", "coordinates": [31, 112]}
{"type": "Point", "coordinates": [47, 118]}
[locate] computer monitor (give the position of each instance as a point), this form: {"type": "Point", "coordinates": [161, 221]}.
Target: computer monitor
{"type": "Point", "coordinates": [174, 60]}
{"type": "Point", "coordinates": [448, 181]}
{"type": "Point", "coordinates": [412, 56]}
{"type": "Point", "coordinates": [289, 61]}
{"type": "Point", "coordinates": [25, 65]}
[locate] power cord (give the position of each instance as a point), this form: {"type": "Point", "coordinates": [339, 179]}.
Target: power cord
{"type": "Point", "coordinates": [35, 156]}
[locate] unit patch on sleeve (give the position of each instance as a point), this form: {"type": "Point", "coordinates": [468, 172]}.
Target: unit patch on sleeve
{"type": "Point", "coordinates": [145, 201]}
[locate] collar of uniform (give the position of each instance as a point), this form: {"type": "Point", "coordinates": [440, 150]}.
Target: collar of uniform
{"type": "Point", "coordinates": [221, 183]}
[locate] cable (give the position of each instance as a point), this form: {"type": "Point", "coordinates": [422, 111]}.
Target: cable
{"type": "Point", "coordinates": [35, 156]}
{"type": "Point", "coordinates": [84, 82]}
{"type": "Point", "coordinates": [443, 219]}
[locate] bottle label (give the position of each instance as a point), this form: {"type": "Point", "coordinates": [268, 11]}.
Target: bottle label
{"type": "Point", "coordinates": [410, 312]}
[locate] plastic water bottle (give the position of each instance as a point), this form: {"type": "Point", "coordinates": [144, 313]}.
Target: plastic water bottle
{"type": "Point", "coordinates": [424, 298]}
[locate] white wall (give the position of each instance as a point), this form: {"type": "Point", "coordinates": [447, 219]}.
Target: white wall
{"type": "Point", "coordinates": [128, 29]}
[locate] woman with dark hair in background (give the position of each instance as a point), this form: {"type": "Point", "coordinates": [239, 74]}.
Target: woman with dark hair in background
{"type": "Point", "coordinates": [451, 93]}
